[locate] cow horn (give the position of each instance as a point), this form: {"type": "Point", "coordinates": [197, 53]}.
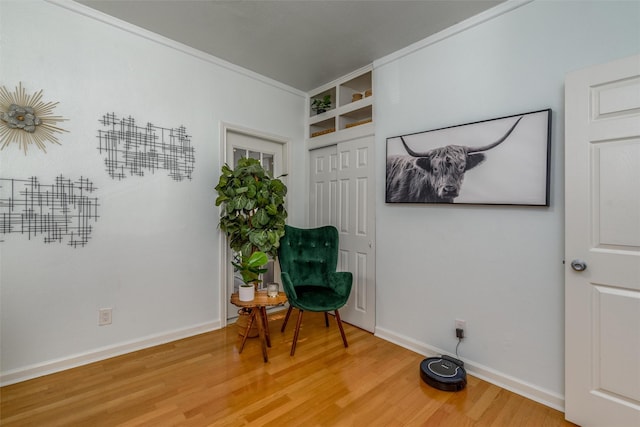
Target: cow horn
{"type": "Point", "coordinates": [410, 151]}
{"type": "Point", "coordinates": [490, 146]}
{"type": "Point", "coordinates": [469, 150]}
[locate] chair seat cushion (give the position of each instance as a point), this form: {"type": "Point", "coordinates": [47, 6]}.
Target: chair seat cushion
{"type": "Point", "coordinates": [317, 298]}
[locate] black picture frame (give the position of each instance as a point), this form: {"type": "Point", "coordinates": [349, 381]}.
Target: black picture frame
{"type": "Point", "coordinates": [502, 161]}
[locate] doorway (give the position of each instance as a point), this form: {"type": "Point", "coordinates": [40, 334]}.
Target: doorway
{"type": "Point", "coordinates": [271, 151]}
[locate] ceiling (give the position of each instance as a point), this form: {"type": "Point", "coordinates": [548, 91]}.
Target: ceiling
{"type": "Point", "coordinates": [303, 44]}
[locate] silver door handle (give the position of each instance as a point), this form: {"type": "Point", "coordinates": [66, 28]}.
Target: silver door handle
{"type": "Point", "coordinates": [578, 265]}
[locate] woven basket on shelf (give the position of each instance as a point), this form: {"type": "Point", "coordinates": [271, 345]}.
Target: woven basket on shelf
{"type": "Point", "coordinates": [323, 132]}
{"type": "Point", "coordinates": [361, 122]}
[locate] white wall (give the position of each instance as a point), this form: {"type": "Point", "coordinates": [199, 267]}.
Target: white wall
{"type": "Point", "coordinates": [153, 256]}
{"type": "Point", "coordinates": [498, 267]}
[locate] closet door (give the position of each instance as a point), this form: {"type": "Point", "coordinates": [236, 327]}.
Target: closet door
{"type": "Point", "coordinates": [342, 194]}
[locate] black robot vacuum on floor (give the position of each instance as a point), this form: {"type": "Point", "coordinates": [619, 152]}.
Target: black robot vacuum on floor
{"type": "Point", "coordinates": [444, 373]}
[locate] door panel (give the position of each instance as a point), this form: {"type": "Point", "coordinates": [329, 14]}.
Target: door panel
{"type": "Point", "coordinates": [324, 186]}
{"type": "Point", "coordinates": [602, 226]}
{"type": "Point", "coordinates": [613, 309]}
{"type": "Point", "coordinates": [342, 194]}
{"type": "Point", "coordinates": [618, 168]}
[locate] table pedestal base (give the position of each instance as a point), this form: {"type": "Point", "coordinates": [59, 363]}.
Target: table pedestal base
{"type": "Point", "coordinates": [259, 315]}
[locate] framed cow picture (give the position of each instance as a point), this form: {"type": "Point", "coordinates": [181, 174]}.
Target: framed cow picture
{"type": "Point", "coordinates": [503, 161]}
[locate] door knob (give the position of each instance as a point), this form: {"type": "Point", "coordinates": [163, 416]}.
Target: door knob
{"type": "Point", "coordinates": [578, 265]}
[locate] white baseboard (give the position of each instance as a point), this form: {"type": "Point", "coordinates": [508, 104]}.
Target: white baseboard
{"type": "Point", "coordinates": [530, 391]}
{"type": "Point", "coordinates": [73, 361]}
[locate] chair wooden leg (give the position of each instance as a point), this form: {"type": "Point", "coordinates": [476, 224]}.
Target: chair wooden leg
{"type": "Point", "coordinates": [286, 319]}
{"type": "Point", "coordinates": [344, 337]}
{"type": "Point", "coordinates": [295, 334]}
{"type": "Point", "coordinates": [326, 319]}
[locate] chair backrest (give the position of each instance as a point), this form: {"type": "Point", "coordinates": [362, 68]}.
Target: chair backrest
{"type": "Point", "coordinates": [308, 255]}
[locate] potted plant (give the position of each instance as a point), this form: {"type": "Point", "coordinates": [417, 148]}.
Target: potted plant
{"type": "Point", "coordinates": [253, 215]}
{"type": "Point", "coordinates": [253, 212]}
{"type": "Point", "coordinates": [250, 268]}
{"type": "Point", "coordinates": [320, 105]}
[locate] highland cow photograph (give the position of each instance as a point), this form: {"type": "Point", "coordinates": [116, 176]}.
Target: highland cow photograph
{"type": "Point", "coordinates": [503, 161]}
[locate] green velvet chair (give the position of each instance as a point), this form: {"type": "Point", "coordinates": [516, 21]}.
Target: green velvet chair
{"type": "Point", "coordinates": [308, 260]}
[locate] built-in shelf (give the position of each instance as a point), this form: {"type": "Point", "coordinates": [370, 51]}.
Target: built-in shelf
{"type": "Point", "coordinates": [357, 117]}
{"type": "Point", "coordinates": [352, 107]}
{"type": "Point", "coordinates": [360, 86]}
{"type": "Point", "coordinates": [331, 92]}
{"type": "Point", "coordinates": [322, 127]}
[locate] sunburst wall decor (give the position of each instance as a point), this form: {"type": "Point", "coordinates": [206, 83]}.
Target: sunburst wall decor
{"type": "Point", "coordinates": [25, 119]}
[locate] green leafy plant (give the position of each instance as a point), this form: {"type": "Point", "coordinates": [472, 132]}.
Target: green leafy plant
{"type": "Point", "coordinates": [253, 210]}
{"type": "Point", "coordinates": [250, 267]}
{"type": "Point", "coordinates": [321, 105]}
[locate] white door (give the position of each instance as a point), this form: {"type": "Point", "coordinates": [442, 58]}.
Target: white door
{"type": "Point", "coordinates": [602, 301]}
{"type": "Point", "coordinates": [271, 153]}
{"type": "Point", "coordinates": [342, 194]}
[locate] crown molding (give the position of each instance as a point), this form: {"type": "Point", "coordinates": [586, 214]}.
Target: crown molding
{"type": "Point", "coordinates": [465, 25]}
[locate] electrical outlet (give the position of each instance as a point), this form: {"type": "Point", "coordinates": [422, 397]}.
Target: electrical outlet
{"type": "Point", "coordinates": [461, 325]}
{"type": "Point", "coordinates": [104, 316]}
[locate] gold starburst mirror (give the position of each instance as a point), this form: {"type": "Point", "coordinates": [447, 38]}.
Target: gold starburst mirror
{"type": "Point", "coordinates": [25, 119]}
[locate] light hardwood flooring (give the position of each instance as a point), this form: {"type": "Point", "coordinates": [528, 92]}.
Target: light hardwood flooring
{"type": "Point", "coordinates": [202, 381]}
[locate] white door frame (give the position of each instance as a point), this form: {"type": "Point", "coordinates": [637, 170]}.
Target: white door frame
{"type": "Point", "coordinates": [225, 128]}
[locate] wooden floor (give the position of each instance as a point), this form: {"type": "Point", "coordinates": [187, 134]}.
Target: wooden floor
{"type": "Point", "coordinates": [202, 380]}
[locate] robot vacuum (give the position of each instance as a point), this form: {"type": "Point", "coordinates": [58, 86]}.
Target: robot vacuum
{"type": "Point", "coordinates": [444, 373]}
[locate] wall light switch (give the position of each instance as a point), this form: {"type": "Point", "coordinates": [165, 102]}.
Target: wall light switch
{"type": "Point", "coordinates": [104, 316]}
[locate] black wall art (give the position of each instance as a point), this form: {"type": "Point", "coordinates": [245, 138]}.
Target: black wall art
{"type": "Point", "coordinates": [131, 149]}
{"type": "Point", "coordinates": [62, 211]}
{"type": "Point", "coordinates": [502, 161]}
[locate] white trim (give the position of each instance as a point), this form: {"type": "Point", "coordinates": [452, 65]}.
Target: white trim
{"type": "Point", "coordinates": [515, 385]}
{"type": "Point", "coordinates": [154, 37]}
{"type": "Point", "coordinates": [467, 24]}
{"type": "Point", "coordinates": [73, 361]}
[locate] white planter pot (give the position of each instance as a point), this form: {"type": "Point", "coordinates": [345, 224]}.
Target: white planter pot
{"type": "Point", "coordinates": [246, 293]}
